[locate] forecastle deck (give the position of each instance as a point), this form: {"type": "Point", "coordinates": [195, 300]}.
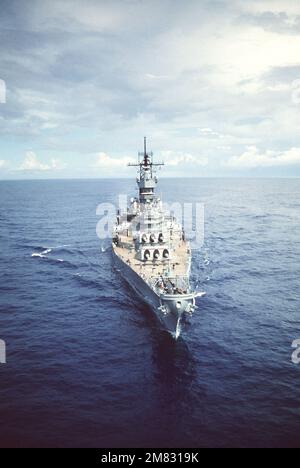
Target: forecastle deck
{"type": "Point", "coordinates": [177, 266]}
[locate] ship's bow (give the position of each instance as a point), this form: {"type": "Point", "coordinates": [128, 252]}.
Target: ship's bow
{"type": "Point", "coordinates": [173, 309]}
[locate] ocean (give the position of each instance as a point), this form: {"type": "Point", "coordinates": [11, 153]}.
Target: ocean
{"type": "Point", "coordinates": [87, 363]}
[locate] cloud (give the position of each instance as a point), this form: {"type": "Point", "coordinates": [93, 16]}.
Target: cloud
{"type": "Point", "coordinates": [208, 132]}
{"type": "Point", "coordinates": [206, 79]}
{"type": "Point", "coordinates": [2, 163]}
{"type": "Point", "coordinates": [172, 158]}
{"type": "Point", "coordinates": [291, 7]}
{"type": "Point", "coordinates": [253, 158]}
{"type": "Point", "coordinates": [32, 163]}
{"type": "Point", "coordinates": [2, 92]}
{"type": "Point", "coordinates": [104, 161]}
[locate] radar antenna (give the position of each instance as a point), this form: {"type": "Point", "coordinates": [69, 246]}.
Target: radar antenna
{"type": "Point", "coordinates": [146, 182]}
{"type": "Point", "coordinates": [147, 161]}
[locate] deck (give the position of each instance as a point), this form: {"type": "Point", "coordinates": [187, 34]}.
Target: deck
{"type": "Point", "coordinates": [177, 266]}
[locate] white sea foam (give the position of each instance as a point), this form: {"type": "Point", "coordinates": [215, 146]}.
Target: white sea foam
{"type": "Point", "coordinates": [61, 246]}
{"type": "Point", "coordinates": [201, 294]}
{"type": "Point", "coordinates": [41, 254]}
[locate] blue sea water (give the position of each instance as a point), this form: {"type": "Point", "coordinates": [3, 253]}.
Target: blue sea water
{"type": "Point", "coordinates": [87, 363]}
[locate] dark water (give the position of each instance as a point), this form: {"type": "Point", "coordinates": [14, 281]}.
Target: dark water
{"type": "Point", "coordinates": [87, 365]}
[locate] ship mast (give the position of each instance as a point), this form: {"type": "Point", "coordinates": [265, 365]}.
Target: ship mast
{"type": "Point", "coordinates": [146, 181]}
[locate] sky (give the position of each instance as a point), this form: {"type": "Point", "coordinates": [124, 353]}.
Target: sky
{"type": "Point", "coordinates": [214, 85]}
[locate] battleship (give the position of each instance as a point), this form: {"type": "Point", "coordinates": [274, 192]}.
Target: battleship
{"type": "Point", "coordinates": [152, 253]}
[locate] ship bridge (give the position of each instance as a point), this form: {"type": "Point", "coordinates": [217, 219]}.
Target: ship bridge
{"type": "Point", "coordinates": [146, 180]}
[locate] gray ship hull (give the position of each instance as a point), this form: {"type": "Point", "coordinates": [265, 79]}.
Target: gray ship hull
{"type": "Point", "coordinates": [166, 308]}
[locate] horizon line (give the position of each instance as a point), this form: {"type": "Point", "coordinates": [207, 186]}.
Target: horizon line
{"type": "Point", "coordinates": [161, 178]}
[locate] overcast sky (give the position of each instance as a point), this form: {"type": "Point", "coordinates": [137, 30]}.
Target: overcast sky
{"type": "Point", "coordinates": [215, 85]}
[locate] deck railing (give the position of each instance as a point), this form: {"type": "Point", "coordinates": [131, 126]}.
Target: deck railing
{"type": "Point", "coordinates": [171, 285]}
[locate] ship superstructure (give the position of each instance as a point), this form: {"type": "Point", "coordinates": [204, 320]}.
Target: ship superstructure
{"type": "Point", "coordinates": [152, 253]}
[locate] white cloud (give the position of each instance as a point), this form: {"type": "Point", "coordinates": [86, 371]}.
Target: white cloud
{"type": "Point", "coordinates": [209, 80]}
{"type": "Point", "coordinates": [172, 158]}
{"type": "Point", "coordinates": [290, 7]}
{"type": "Point", "coordinates": [104, 161]}
{"type": "Point", "coordinates": [57, 165]}
{"type": "Point", "coordinates": [208, 132]}
{"type": "Point", "coordinates": [32, 163]}
{"type": "Point", "coordinates": [2, 92]}
{"type": "Point", "coordinates": [96, 16]}
{"type": "Point", "coordinates": [253, 158]}
{"type": "Point", "coordinates": [2, 163]}
{"type": "Point", "coordinates": [150, 76]}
